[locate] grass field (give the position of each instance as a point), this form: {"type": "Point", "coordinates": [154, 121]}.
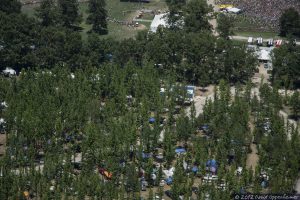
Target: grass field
{"type": "Point", "coordinates": [123, 11]}
{"type": "Point", "coordinates": [258, 34]}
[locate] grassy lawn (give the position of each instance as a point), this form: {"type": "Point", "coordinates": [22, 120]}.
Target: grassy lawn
{"type": "Point", "coordinates": [258, 34]}
{"type": "Point", "coordinates": [123, 11]}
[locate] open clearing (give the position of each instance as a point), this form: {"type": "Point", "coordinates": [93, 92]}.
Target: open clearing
{"type": "Point", "coordinates": [121, 11]}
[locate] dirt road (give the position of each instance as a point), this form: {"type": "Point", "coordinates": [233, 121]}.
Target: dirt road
{"type": "Point", "coordinates": [252, 158]}
{"type": "Point", "coordinates": [213, 21]}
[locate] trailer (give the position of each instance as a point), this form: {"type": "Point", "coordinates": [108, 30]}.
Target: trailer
{"type": "Point", "coordinates": [250, 40]}
{"type": "Point", "coordinates": [278, 43]}
{"type": "Point", "coordinates": [259, 41]}
{"type": "Point", "coordinates": [270, 42]}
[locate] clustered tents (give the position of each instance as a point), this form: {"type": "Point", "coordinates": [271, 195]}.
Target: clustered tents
{"type": "Point", "coordinates": [212, 166]}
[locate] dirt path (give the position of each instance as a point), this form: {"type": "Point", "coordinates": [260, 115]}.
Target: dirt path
{"type": "Point", "coordinates": [202, 94]}
{"type": "Point", "coordinates": [252, 158]}
{"type": "Point", "coordinates": [297, 187]}
{"type": "Point", "coordinates": [213, 21]}
{"type": "Point", "coordinates": [2, 143]}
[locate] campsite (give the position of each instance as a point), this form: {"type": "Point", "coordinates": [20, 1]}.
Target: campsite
{"type": "Point", "coordinates": [155, 99]}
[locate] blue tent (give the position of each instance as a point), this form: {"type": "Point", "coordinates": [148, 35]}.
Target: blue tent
{"type": "Point", "coordinates": [205, 127]}
{"type": "Point", "coordinates": [151, 120]}
{"type": "Point", "coordinates": [195, 169]}
{"type": "Point", "coordinates": [146, 155]}
{"type": "Point", "coordinates": [180, 150]}
{"type": "Point", "coordinates": [212, 163]}
{"type": "Point", "coordinates": [169, 180]}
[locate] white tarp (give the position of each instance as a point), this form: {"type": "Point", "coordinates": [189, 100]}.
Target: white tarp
{"type": "Point", "coordinates": [159, 20]}
{"type": "Point", "coordinates": [234, 10]}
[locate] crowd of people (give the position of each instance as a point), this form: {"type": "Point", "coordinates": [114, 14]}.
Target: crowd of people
{"type": "Point", "coordinates": [264, 12]}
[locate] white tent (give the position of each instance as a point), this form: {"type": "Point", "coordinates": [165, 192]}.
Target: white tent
{"type": "Point", "coordinates": [159, 20]}
{"type": "Point", "coordinates": [9, 71]}
{"type": "Point", "coordinates": [264, 55]}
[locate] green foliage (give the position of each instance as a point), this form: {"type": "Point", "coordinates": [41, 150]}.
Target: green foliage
{"type": "Point", "coordinates": [290, 23]}
{"type": "Point", "coordinates": [10, 6]}
{"type": "Point", "coordinates": [295, 103]}
{"type": "Point", "coordinates": [195, 19]}
{"type": "Point", "coordinates": [225, 25]}
{"type": "Point", "coordinates": [285, 66]}
{"type": "Point", "coordinates": [48, 13]}
{"type": "Point", "coordinates": [69, 13]}
{"type": "Point", "coordinates": [98, 16]}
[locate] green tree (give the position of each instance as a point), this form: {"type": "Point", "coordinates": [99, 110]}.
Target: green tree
{"type": "Point", "coordinates": [10, 6]}
{"type": "Point", "coordinates": [47, 12]}
{"type": "Point", "coordinates": [225, 25]}
{"type": "Point", "coordinates": [196, 16]}
{"type": "Point", "coordinates": [290, 23]}
{"type": "Point", "coordinates": [97, 16]}
{"type": "Point", "coordinates": [295, 103]}
{"type": "Point", "coordinates": [69, 13]}
{"type": "Point", "coordinates": [175, 12]}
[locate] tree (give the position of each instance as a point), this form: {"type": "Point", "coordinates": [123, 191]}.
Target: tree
{"type": "Point", "coordinates": [290, 23]}
{"type": "Point", "coordinates": [175, 12]}
{"type": "Point", "coordinates": [286, 63]}
{"type": "Point", "coordinates": [69, 13]}
{"type": "Point", "coordinates": [295, 103]}
{"type": "Point", "coordinates": [47, 12]}
{"type": "Point", "coordinates": [98, 16]}
{"type": "Point", "coordinates": [196, 16]}
{"type": "Point", "coordinates": [10, 6]}
{"type": "Point", "coordinates": [225, 25]}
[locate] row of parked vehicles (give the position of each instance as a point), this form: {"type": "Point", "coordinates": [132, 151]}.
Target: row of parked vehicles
{"type": "Point", "coordinates": [270, 42]}
{"type": "Point", "coordinates": [260, 42]}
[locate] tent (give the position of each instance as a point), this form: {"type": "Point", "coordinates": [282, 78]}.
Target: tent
{"type": "Point", "coordinates": [195, 169]}
{"type": "Point", "coordinates": [146, 155]}
{"type": "Point", "coordinates": [211, 163]}
{"type": "Point", "coordinates": [151, 120]}
{"type": "Point", "coordinates": [213, 169]}
{"type": "Point", "coordinates": [9, 71]}
{"type": "Point", "coordinates": [264, 55]}
{"type": "Point", "coordinates": [169, 180]}
{"type": "Point", "coordinates": [180, 150]}
{"type": "Point", "coordinates": [159, 20]}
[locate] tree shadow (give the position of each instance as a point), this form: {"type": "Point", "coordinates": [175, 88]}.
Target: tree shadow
{"type": "Point", "coordinates": [294, 117]}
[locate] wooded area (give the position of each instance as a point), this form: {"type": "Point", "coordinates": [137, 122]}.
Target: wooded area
{"type": "Point", "coordinates": [109, 119]}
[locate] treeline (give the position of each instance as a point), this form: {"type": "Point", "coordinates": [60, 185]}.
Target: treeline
{"type": "Point", "coordinates": [53, 39]}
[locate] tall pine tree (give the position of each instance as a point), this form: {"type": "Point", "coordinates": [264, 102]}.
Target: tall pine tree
{"type": "Point", "coordinates": [69, 13]}
{"type": "Point", "coordinates": [97, 16]}
{"type": "Point", "coordinates": [47, 12]}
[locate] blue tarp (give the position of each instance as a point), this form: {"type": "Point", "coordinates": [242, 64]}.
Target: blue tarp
{"type": "Point", "coordinates": [151, 120]}
{"type": "Point", "coordinates": [180, 150]}
{"type": "Point", "coordinates": [169, 180]}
